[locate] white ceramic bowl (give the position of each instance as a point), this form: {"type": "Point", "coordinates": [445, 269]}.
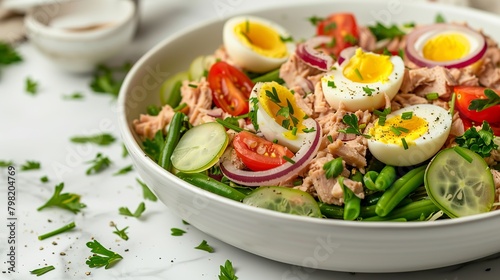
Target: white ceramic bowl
{"type": "Point", "coordinates": [78, 35]}
{"type": "Point", "coordinates": [309, 242]}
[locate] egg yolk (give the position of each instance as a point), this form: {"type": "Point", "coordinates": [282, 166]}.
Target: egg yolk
{"type": "Point", "coordinates": [446, 47]}
{"type": "Point", "coordinates": [397, 128]}
{"type": "Point", "coordinates": [279, 103]}
{"type": "Point", "coordinates": [365, 67]}
{"type": "Point", "coordinates": [261, 39]}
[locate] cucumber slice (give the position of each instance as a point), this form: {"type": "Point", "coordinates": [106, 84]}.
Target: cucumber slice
{"type": "Point", "coordinates": [199, 66]}
{"type": "Point", "coordinates": [170, 91]}
{"type": "Point", "coordinates": [200, 148]}
{"type": "Point", "coordinates": [460, 182]}
{"type": "Point", "coordinates": [285, 200]}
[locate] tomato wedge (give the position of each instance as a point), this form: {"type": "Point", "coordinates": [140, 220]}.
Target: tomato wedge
{"type": "Point", "coordinates": [230, 88]}
{"type": "Point", "coordinates": [495, 127]}
{"type": "Point", "coordinates": [257, 153]}
{"type": "Point", "coordinates": [465, 94]}
{"type": "Point", "coordinates": [343, 28]}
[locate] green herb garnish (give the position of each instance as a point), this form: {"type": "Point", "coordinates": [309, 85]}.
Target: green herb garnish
{"type": "Point", "coordinates": [138, 212]}
{"type": "Point", "coordinates": [121, 232]}
{"type": "Point", "coordinates": [108, 80]}
{"type": "Point", "coordinates": [331, 84]}
{"type": "Point", "coordinates": [405, 144]}
{"type": "Point", "coordinates": [57, 231]}
{"type": "Point", "coordinates": [480, 141]}
{"type": "Point", "coordinates": [351, 120]}
{"type": "Point", "coordinates": [177, 232]}
{"type": "Point", "coordinates": [349, 38]}
{"type": "Point", "coordinates": [124, 170]}
{"type": "Point", "coordinates": [68, 201]}
{"type": "Point", "coordinates": [407, 115]}
{"type": "Point", "coordinates": [41, 271]}
{"type": "Point", "coordinates": [101, 256]}
{"type": "Point", "coordinates": [432, 96]}
{"type": "Point", "coordinates": [252, 114]}
{"type": "Point", "coordinates": [369, 91]}
{"type": "Point", "coordinates": [439, 18]}
{"type": "Point", "coordinates": [146, 192]}
{"type": "Point", "coordinates": [358, 74]}
{"type": "Point", "coordinates": [288, 159]}
{"type": "Point", "coordinates": [6, 163]}
{"type": "Point", "coordinates": [31, 165]}
{"type": "Point", "coordinates": [382, 115]}
{"type": "Point", "coordinates": [381, 31]}
{"type": "Point", "coordinates": [31, 86]}
{"type": "Point", "coordinates": [153, 147]}
{"type": "Point", "coordinates": [73, 96]}
{"type": "Point", "coordinates": [314, 20]}
{"type": "Point", "coordinates": [227, 272]}
{"type": "Point", "coordinates": [99, 163]}
{"type": "Point", "coordinates": [153, 110]}
{"type": "Point", "coordinates": [8, 55]}
{"type": "Point", "coordinates": [44, 179]}
{"type": "Point", "coordinates": [492, 99]}
{"type": "Point", "coordinates": [205, 247]}
{"type": "Point", "coordinates": [103, 139]}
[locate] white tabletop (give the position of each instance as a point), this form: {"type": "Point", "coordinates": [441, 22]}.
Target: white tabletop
{"type": "Point", "coordinates": [39, 127]}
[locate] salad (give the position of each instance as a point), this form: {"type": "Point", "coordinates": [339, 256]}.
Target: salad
{"type": "Point", "coordinates": [370, 123]}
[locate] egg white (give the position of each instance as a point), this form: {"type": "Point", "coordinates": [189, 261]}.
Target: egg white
{"type": "Point", "coordinates": [351, 93]}
{"type": "Point", "coordinates": [246, 58]}
{"type": "Point", "coordinates": [439, 126]}
{"type": "Point", "coordinates": [273, 131]}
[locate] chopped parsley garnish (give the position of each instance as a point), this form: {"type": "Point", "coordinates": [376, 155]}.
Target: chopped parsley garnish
{"type": "Point", "coordinates": [146, 192]}
{"type": "Point", "coordinates": [386, 52]}
{"type": "Point", "coordinates": [57, 231]}
{"type": "Point", "coordinates": [193, 85]}
{"type": "Point", "coordinates": [349, 38]}
{"type": "Point", "coordinates": [5, 163]}
{"type": "Point", "coordinates": [8, 54]}
{"type": "Point", "coordinates": [432, 96]}
{"type": "Point", "coordinates": [31, 165]}
{"type": "Point", "coordinates": [153, 110]}
{"type": "Point", "coordinates": [68, 201]}
{"type": "Point", "coordinates": [205, 247]}
{"type": "Point", "coordinates": [480, 141]}
{"type": "Point", "coordinates": [351, 120]}
{"type": "Point", "coordinates": [41, 271]}
{"type": "Point", "coordinates": [314, 20]}
{"type": "Point", "coordinates": [153, 147]}
{"type": "Point", "coordinates": [382, 115]}
{"type": "Point", "coordinates": [309, 130]}
{"type": "Point", "coordinates": [330, 26]}
{"type": "Point", "coordinates": [405, 144]}
{"type": "Point", "coordinates": [138, 212]}
{"type": "Point", "coordinates": [331, 84]}
{"type": "Point", "coordinates": [121, 232]}
{"type": "Point", "coordinates": [230, 124]}
{"type": "Point", "coordinates": [492, 99]}
{"type": "Point", "coordinates": [398, 130]}
{"type": "Point", "coordinates": [288, 159]}
{"type": "Point", "coordinates": [294, 131]}
{"type": "Point", "coordinates": [124, 151]}
{"type": "Point", "coordinates": [101, 256]}
{"type": "Point", "coordinates": [330, 138]}
{"type": "Point", "coordinates": [252, 114]}
{"type": "Point", "coordinates": [31, 86]}
{"type": "Point", "coordinates": [439, 18]}
{"type": "Point", "coordinates": [358, 74]}
{"type": "Point", "coordinates": [369, 91]}
{"type": "Point", "coordinates": [407, 115]}
{"type": "Point", "coordinates": [103, 139]}
{"type": "Point", "coordinates": [44, 179]}
{"type": "Point", "coordinates": [108, 80]}
{"type": "Point", "coordinates": [273, 95]}
{"type": "Point", "coordinates": [99, 163]}
{"type": "Point", "coordinates": [124, 170]}
{"type": "Point", "coordinates": [286, 39]}
{"type": "Point", "coordinates": [290, 121]}
{"type": "Point", "coordinates": [401, 53]}
{"type": "Point", "coordinates": [381, 31]}
{"type": "Point", "coordinates": [73, 96]}
{"type": "Point", "coordinates": [227, 271]}
{"type": "Point", "coordinates": [332, 43]}
{"type": "Point", "coordinates": [177, 232]}
{"type": "Point", "coordinates": [410, 24]}
{"type": "Point", "coordinates": [333, 168]}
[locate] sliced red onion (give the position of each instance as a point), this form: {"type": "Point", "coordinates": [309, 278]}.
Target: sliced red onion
{"type": "Point", "coordinates": [311, 56]}
{"type": "Point", "coordinates": [281, 173]}
{"type": "Point", "coordinates": [346, 54]}
{"type": "Point", "coordinates": [417, 38]}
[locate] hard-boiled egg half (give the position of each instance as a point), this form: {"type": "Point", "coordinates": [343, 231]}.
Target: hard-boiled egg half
{"type": "Point", "coordinates": [256, 44]}
{"type": "Point", "coordinates": [361, 81]}
{"type": "Point", "coordinates": [278, 116]}
{"type": "Point", "coordinates": [410, 135]}
{"type": "Point", "coordinates": [447, 45]}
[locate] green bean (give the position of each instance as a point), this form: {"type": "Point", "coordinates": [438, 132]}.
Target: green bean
{"type": "Point", "coordinates": [369, 180]}
{"type": "Point", "coordinates": [375, 165]}
{"type": "Point", "coordinates": [174, 98]}
{"type": "Point", "coordinates": [173, 135]}
{"type": "Point", "coordinates": [270, 76]}
{"type": "Point", "coordinates": [333, 168]}
{"type": "Point", "coordinates": [356, 176]}
{"type": "Point", "coordinates": [410, 212]}
{"type": "Point", "coordinates": [352, 203]}
{"type": "Point", "coordinates": [369, 210]}
{"type": "Point", "coordinates": [385, 178]}
{"type": "Point", "coordinates": [331, 211]}
{"type": "Point", "coordinates": [399, 190]}
{"type": "Point", "coordinates": [207, 183]}
{"type": "Point", "coordinates": [372, 198]}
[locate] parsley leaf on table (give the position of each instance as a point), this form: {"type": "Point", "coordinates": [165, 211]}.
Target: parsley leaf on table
{"type": "Point", "coordinates": [146, 192]}
{"type": "Point", "coordinates": [101, 256]}
{"type": "Point", "coordinates": [205, 247]}
{"type": "Point", "coordinates": [103, 139]}
{"type": "Point", "coordinates": [121, 232]}
{"type": "Point", "coordinates": [73, 96]}
{"type": "Point", "coordinates": [138, 212]}
{"type": "Point", "coordinates": [31, 165]}
{"type": "Point", "coordinates": [41, 271]}
{"type": "Point", "coordinates": [57, 231]}
{"type": "Point", "coordinates": [68, 201]}
{"type": "Point", "coordinates": [227, 272]}
{"type": "Point", "coordinates": [98, 164]}
{"type": "Point", "coordinates": [177, 231]}
{"type": "Point", "coordinates": [108, 80]}
{"type": "Point", "coordinates": [124, 170]}
{"type": "Point", "coordinates": [31, 86]}
{"type": "Point", "coordinates": [8, 54]}
{"type": "Point", "coordinates": [5, 163]}
{"type": "Point", "coordinates": [439, 19]}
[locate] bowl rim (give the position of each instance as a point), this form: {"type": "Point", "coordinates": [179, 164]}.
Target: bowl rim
{"type": "Point", "coordinates": [35, 26]}
{"type": "Point", "coordinates": [133, 146]}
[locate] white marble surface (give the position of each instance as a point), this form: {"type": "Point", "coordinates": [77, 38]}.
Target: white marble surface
{"type": "Point", "coordinates": [39, 127]}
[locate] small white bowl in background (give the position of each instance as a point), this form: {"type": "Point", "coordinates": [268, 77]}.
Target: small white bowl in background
{"type": "Point", "coordinates": [78, 35]}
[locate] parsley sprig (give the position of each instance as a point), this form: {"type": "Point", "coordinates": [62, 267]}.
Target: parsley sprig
{"type": "Point", "coordinates": [8, 55]}
{"type": "Point", "coordinates": [351, 120]}
{"type": "Point", "coordinates": [177, 232]}
{"type": "Point", "coordinates": [31, 86]}
{"type": "Point", "coordinates": [227, 271]}
{"type": "Point", "coordinates": [124, 170]}
{"type": "Point", "coordinates": [121, 233]}
{"type": "Point", "coordinates": [138, 212]}
{"type": "Point", "coordinates": [99, 163]}
{"type": "Point", "coordinates": [381, 31]}
{"type": "Point", "coordinates": [101, 256]}
{"type": "Point", "coordinates": [252, 114]}
{"type": "Point", "coordinates": [68, 201]}
{"type": "Point", "coordinates": [480, 141]}
{"type": "Point", "coordinates": [146, 192]}
{"type": "Point", "coordinates": [482, 104]}
{"type": "Point", "coordinates": [42, 270]}
{"type": "Point", "coordinates": [290, 121]}
{"type": "Point", "coordinates": [103, 139]}
{"type": "Point", "coordinates": [108, 80]}
{"type": "Point", "coordinates": [31, 165]}
{"type": "Point", "coordinates": [205, 247]}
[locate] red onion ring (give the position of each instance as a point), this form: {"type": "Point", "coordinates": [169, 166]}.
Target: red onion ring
{"type": "Point", "coordinates": [346, 54]}
{"type": "Point", "coordinates": [278, 174]}
{"type": "Point", "coordinates": [416, 57]}
{"type": "Point", "coordinates": [311, 56]}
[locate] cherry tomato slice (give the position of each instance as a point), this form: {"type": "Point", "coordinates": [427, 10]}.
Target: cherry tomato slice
{"type": "Point", "coordinates": [257, 153]}
{"type": "Point", "coordinates": [343, 29]}
{"type": "Point", "coordinates": [230, 88]}
{"type": "Point", "coordinates": [468, 124]}
{"type": "Point", "coordinates": [465, 94]}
